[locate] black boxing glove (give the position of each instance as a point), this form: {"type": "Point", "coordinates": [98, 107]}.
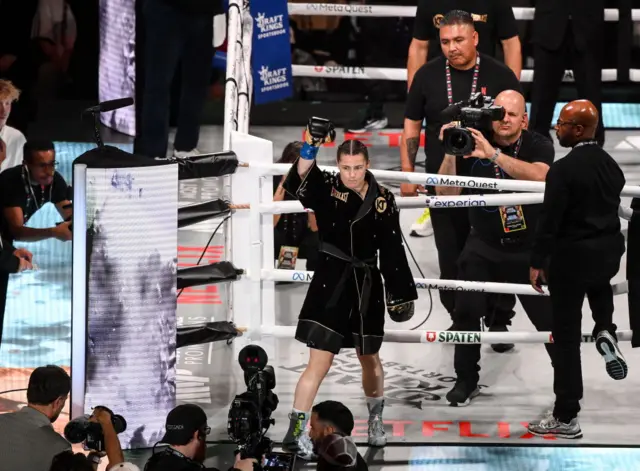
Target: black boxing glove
{"type": "Point", "coordinates": [401, 312]}
{"type": "Point", "coordinates": [319, 131]}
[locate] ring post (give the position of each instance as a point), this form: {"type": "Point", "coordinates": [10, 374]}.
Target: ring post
{"type": "Point", "coordinates": [252, 299]}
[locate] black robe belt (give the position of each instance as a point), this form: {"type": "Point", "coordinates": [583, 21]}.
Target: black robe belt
{"type": "Point", "coordinates": [352, 262]}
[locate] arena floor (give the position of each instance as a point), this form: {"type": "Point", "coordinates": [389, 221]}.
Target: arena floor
{"type": "Point", "coordinates": [517, 386]}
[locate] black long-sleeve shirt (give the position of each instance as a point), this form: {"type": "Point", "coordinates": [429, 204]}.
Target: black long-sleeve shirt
{"type": "Point", "coordinates": [581, 200]}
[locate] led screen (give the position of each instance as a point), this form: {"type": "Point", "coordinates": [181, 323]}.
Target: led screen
{"type": "Point", "coordinates": [131, 297]}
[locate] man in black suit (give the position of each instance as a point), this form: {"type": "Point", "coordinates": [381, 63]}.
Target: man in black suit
{"type": "Point", "coordinates": [566, 35]}
{"type": "Point", "coordinates": [178, 37]}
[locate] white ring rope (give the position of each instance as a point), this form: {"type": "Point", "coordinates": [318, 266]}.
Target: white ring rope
{"type": "Point", "coordinates": [435, 336]}
{"type": "Point", "coordinates": [468, 201]}
{"type": "Point", "coordinates": [397, 74]}
{"type": "Point", "coordinates": [300, 276]}
{"type": "Point", "coordinates": [400, 75]}
{"type": "Point", "coordinates": [309, 9]}
{"type": "Point", "coordinates": [431, 179]}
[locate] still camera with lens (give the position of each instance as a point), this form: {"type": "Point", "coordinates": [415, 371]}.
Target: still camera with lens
{"type": "Point", "coordinates": [478, 113]}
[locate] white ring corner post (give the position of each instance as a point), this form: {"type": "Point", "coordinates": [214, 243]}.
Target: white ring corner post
{"type": "Point", "coordinates": [252, 299]}
{"type": "Point", "coordinates": [80, 279]}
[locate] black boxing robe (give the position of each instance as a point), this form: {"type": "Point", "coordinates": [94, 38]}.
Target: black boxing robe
{"type": "Point", "coordinates": [633, 272]}
{"type": "Point", "coordinates": [345, 303]}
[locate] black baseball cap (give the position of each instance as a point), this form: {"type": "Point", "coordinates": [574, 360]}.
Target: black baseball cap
{"type": "Point", "coordinates": [182, 422]}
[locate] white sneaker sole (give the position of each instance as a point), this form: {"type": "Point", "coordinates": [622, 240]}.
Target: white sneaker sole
{"type": "Point", "coordinates": [559, 435]}
{"type": "Point", "coordinates": [615, 363]}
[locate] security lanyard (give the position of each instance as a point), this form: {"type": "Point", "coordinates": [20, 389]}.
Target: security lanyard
{"type": "Point", "coordinates": [474, 83]}
{"type": "Point", "coordinates": [516, 151]}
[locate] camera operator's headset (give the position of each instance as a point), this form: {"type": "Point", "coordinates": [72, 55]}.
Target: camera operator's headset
{"type": "Point", "coordinates": [202, 435]}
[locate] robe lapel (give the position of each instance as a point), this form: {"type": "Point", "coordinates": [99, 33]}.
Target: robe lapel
{"type": "Point", "coordinates": [369, 199]}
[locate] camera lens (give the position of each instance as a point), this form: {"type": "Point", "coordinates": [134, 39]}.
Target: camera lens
{"type": "Point", "coordinates": [459, 142]}
{"type": "Point", "coordinates": [119, 424]}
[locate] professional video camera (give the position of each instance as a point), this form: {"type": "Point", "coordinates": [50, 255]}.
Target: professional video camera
{"type": "Point", "coordinates": [81, 430]}
{"type": "Point", "coordinates": [250, 412]}
{"type": "Point", "coordinates": [478, 113]}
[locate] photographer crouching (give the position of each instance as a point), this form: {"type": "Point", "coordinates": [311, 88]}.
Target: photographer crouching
{"type": "Point", "coordinates": [186, 434]}
{"type": "Point", "coordinates": [492, 142]}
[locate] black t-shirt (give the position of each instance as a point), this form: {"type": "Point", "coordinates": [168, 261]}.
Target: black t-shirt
{"type": "Point", "coordinates": [14, 194]}
{"type": "Point", "coordinates": [487, 221]}
{"type": "Point", "coordinates": [494, 21]}
{"type": "Point", "coordinates": [169, 462]}
{"type": "Point", "coordinates": [428, 96]}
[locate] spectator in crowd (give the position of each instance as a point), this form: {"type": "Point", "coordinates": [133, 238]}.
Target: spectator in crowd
{"type": "Point", "coordinates": [325, 38]}
{"type": "Point", "coordinates": [16, 63]}
{"type": "Point", "coordinates": [383, 42]}
{"type": "Point", "coordinates": [29, 441]}
{"type": "Point", "coordinates": [68, 461]}
{"type": "Point", "coordinates": [177, 33]}
{"type": "Point", "coordinates": [298, 231]}
{"type": "Point", "coordinates": [54, 32]}
{"type": "Point", "coordinates": [331, 426]}
{"type": "Point", "coordinates": [566, 35]}
{"type": "Point", "coordinates": [24, 190]}
{"type": "Point", "coordinates": [11, 140]}
{"type": "Point", "coordinates": [186, 433]}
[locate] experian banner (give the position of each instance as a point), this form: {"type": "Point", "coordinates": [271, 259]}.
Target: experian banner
{"type": "Point", "coordinates": [435, 202]}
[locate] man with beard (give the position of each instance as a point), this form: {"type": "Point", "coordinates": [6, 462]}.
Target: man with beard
{"type": "Point", "coordinates": [186, 434]}
{"type": "Point", "coordinates": [499, 245]}
{"type": "Point", "coordinates": [577, 250]}
{"type": "Point", "coordinates": [461, 71]}
{"type": "Point", "coordinates": [331, 426]}
{"type": "Point", "coordinates": [47, 394]}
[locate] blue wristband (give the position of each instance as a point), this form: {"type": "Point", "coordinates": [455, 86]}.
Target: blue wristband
{"type": "Point", "coordinates": [309, 152]}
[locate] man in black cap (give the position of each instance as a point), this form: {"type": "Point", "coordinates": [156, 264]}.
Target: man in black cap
{"type": "Point", "coordinates": [331, 426]}
{"type": "Point", "coordinates": [186, 432]}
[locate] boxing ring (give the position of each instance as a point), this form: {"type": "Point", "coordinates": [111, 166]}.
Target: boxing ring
{"type": "Point", "coordinates": [252, 244]}
{"type": "Point", "coordinates": [251, 229]}
{"type": "Point", "coordinates": [255, 302]}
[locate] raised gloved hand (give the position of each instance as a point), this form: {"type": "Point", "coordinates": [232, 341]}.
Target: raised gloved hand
{"type": "Point", "coordinates": [401, 312]}
{"type": "Point", "coordinates": [319, 131]}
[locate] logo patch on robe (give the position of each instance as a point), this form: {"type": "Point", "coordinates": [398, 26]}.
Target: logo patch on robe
{"type": "Point", "coordinates": [381, 204]}
{"type": "Point", "coordinates": [341, 196]}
